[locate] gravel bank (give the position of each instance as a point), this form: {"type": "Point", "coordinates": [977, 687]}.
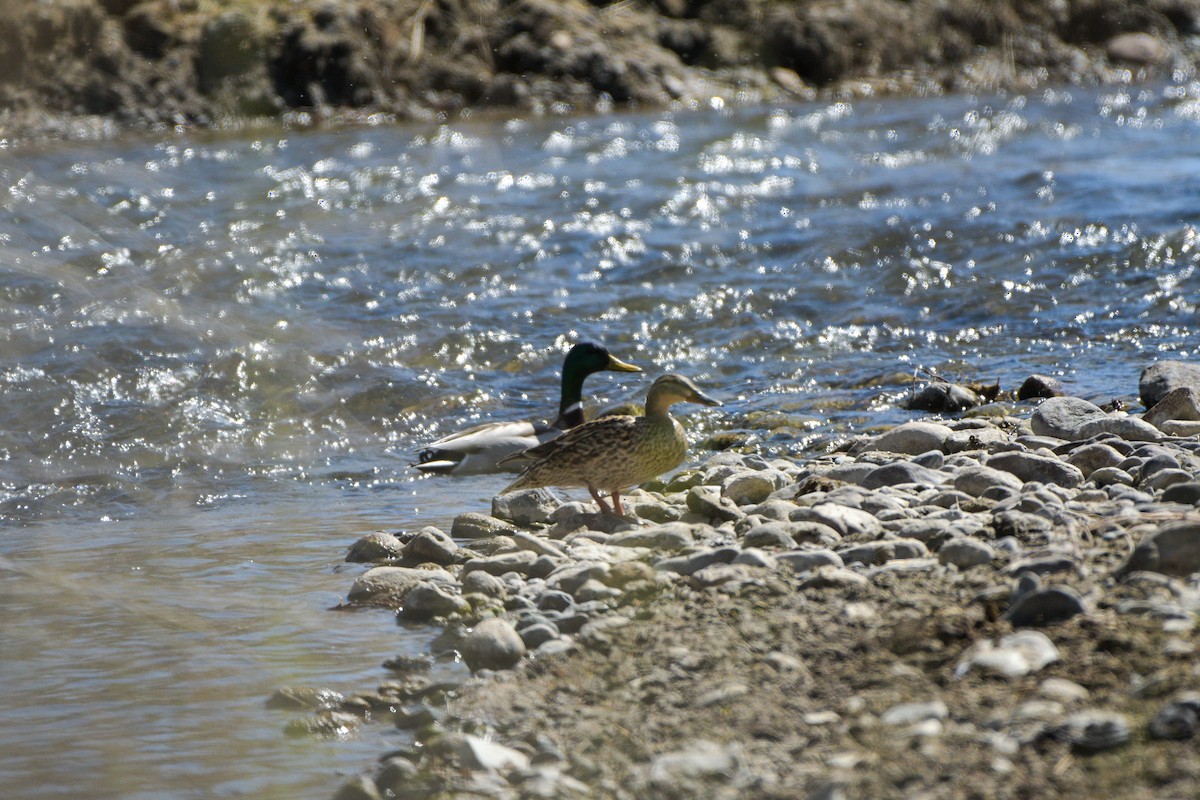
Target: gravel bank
{"type": "Point", "coordinates": [98, 66]}
{"type": "Point", "coordinates": [994, 606]}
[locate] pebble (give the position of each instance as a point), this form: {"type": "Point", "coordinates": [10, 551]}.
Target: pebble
{"type": "Point", "coordinates": [902, 472]}
{"type": "Point", "coordinates": [493, 644]}
{"type": "Point", "coordinates": [768, 534]}
{"type": "Point", "coordinates": [1044, 606]}
{"type": "Point", "coordinates": [913, 438]}
{"type": "Point", "coordinates": [1034, 467]}
{"type": "Point", "coordinates": [1040, 386]}
{"type": "Point", "coordinates": [525, 507]}
{"type": "Point", "coordinates": [1064, 417]}
{"type": "Point", "coordinates": [427, 600]}
{"type": "Point", "coordinates": [1174, 721]}
{"type": "Point", "coordinates": [480, 582]}
{"type": "Point", "coordinates": [913, 713]}
{"type": "Point", "coordinates": [700, 759]}
{"type": "Point", "coordinates": [844, 520]}
{"type": "Point", "coordinates": [709, 503]}
{"type": "Point", "coordinates": [1160, 379]}
{"type": "Point", "coordinates": [383, 585]}
{"type": "Point", "coordinates": [1094, 731]}
{"type": "Point", "coordinates": [965, 552]}
{"type": "Point", "coordinates": [977, 479]}
{"type": "Point", "coordinates": [375, 546]}
{"type": "Point", "coordinates": [1172, 550]}
{"type": "Point", "coordinates": [1012, 656]}
{"type": "Point", "coordinates": [883, 551]}
{"type": "Point", "coordinates": [671, 536]}
{"type": "Point", "coordinates": [431, 544]}
{"type": "Point", "coordinates": [519, 562]}
{"type": "Point", "coordinates": [747, 488]}
{"type": "Point", "coordinates": [686, 565]}
{"type": "Point", "coordinates": [805, 560]}
{"type": "Point", "coordinates": [473, 525]}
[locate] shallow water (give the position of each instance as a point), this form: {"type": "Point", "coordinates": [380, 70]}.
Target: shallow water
{"type": "Point", "coordinates": [222, 351]}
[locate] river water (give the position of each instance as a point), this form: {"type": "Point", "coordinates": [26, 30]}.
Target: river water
{"type": "Point", "coordinates": [221, 351]}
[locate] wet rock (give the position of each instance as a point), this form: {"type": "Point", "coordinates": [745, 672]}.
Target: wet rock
{"type": "Point", "coordinates": [473, 525]}
{"type": "Point", "coordinates": [493, 644]}
{"type": "Point", "coordinates": [475, 753]}
{"type": "Point", "coordinates": [1094, 731]}
{"type": "Point", "coordinates": [943, 398]}
{"type": "Point", "coordinates": [1174, 721]}
{"type": "Point", "coordinates": [1172, 550]}
{"type": "Point", "coordinates": [360, 787]}
{"type": "Point", "coordinates": [325, 724]}
{"type": "Point", "coordinates": [1017, 654]}
{"type": "Point", "coordinates": [375, 546]}
{"type": "Point", "coordinates": [427, 600]}
{"type": "Point", "coordinates": [707, 502]}
{"type": "Point", "coordinates": [431, 544]}
{"type": "Point", "coordinates": [395, 775]}
{"type": "Point", "coordinates": [901, 472]}
{"type": "Point", "coordinates": [1034, 467]}
{"type": "Point", "coordinates": [525, 507]}
{"type": "Point", "coordinates": [1040, 386]}
{"type": "Point", "coordinates": [386, 585]}
{"type": "Point", "coordinates": [965, 552]}
{"type": "Point", "coordinates": [913, 438]}
{"type": "Point", "coordinates": [1159, 379]}
{"type": "Point", "coordinates": [303, 698]}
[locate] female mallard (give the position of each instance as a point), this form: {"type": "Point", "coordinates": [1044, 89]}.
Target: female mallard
{"type": "Point", "coordinates": [481, 449]}
{"type": "Point", "coordinates": [611, 453]}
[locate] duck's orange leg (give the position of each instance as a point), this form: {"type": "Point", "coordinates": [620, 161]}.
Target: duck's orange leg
{"type": "Point", "coordinates": [604, 509]}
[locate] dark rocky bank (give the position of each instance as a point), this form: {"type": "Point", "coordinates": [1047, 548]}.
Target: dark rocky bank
{"type": "Point", "coordinates": [201, 62]}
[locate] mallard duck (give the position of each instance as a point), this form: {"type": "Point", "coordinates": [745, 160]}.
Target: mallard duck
{"type": "Point", "coordinates": [480, 449]}
{"type": "Point", "coordinates": [612, 453]}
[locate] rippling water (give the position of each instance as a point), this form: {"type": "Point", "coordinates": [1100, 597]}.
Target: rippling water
{"type": "Point", "coordinates": [222, 351]}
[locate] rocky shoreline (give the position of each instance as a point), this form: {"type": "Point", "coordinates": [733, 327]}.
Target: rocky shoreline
{"type": "Point", "coordinates": [999, 605]}
{"type": "Point", "coordinates": [96, 67]}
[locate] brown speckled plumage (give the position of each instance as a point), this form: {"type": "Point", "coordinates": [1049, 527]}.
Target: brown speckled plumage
{"type": "Point", "coordinates": [612, 453]}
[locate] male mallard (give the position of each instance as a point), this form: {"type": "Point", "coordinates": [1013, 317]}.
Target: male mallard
{"type": "Point", "coordinates": [480, 449]}
{"type": "Point", "coordinates": [611, 453]}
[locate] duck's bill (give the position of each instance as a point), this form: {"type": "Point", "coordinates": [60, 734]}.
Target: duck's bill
{"type": "Point", "coordinates": [617, 365]}
{"type": "Point", "coordinates": [707, 400]}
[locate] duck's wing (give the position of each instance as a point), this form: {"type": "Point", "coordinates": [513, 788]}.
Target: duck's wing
{"type": "Point", "coordinates": [479, 450]}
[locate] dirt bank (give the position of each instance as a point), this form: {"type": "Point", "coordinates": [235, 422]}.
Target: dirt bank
{"type": "Point", "coordinates": [203, 62]}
